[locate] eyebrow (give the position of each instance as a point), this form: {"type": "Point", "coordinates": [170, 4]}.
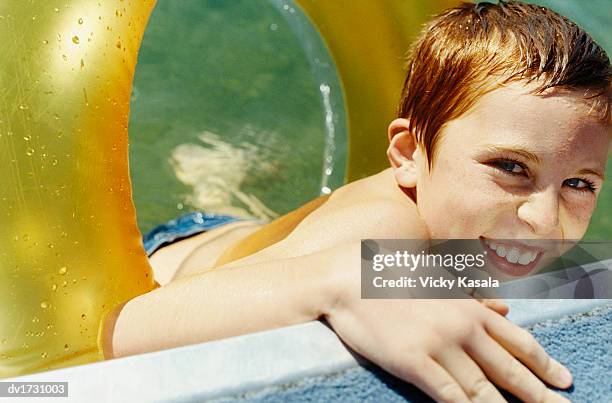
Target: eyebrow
{"type": "Point", "coordinates": [588, 171]}
{"type": "Point", "coordinates": [528, 155]}
{"type": "Point", "coordinates": [534, 158]}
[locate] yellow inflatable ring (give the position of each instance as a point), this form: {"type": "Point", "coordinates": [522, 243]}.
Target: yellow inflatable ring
{"type": "Point", "coordinates": [71, 250]}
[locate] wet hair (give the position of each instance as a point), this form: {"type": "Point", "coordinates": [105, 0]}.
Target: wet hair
{"type": "Point", "coordinates": [475, 48]}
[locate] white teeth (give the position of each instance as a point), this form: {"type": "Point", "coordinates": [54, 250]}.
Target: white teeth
{"type": "Point", "coordinates": [513, 255]}
{"type": "Point", "coordinates": [525, 259]}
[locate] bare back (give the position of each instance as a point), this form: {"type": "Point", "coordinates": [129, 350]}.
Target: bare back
{"type": "Point", "coordinates": [373, 207]}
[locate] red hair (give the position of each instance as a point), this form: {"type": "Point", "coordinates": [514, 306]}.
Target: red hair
{"type": "Point", "coordinates": [472, 49]}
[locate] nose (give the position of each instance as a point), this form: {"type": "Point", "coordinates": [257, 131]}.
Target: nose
{"type": "Point", "coordinates": [541, 212]}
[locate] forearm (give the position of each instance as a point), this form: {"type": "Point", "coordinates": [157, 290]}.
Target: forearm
{"type": "Point", "coordinates": [222, 303]}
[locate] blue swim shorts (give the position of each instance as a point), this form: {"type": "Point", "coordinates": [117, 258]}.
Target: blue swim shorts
{"type": "Point", "coordinates": [183, 227]}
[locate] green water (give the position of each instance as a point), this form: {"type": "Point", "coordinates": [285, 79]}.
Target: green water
{"type": "Point", "coordinates": [227, 116]}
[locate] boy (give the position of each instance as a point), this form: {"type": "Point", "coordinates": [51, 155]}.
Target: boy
{"type": "Point", "coordinates": [503, 133]}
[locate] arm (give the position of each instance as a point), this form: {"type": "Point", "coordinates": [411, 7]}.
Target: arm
{"type": "Point", "coordinates": [222, 303]}
{"type": "Point", "coordinates": [245, 295]}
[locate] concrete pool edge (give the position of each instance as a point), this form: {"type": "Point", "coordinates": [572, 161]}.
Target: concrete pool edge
{"type": "Point", "coordinates": [208, 370]}
{"type": "Point", "coordinates": [233, 366]}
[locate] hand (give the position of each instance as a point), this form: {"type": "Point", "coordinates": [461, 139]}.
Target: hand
{"type": "Point", "coordinates": [497, 305]}
{"type": "Point", "coordinates": [455, 350]}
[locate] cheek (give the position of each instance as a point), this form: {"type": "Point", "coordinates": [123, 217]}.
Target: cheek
{"type": "Point", "coordinates": [581, 207]}
{"type": "Point", "coordinates": [461, 204]}
{"type": "Point", "coordinates": [575, 215]}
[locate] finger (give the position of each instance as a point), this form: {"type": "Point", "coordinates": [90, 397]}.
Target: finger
{"type": "Point", "coordinates": [497, 305]}
{"type": "Point", "coordinates": [432, 379]}
{"type": "Point", "coordinates": [469, 376]}
{"type": "Point", "coordinates": [520, 343]}
{"type": "Point", "coordinates": [508, 372]}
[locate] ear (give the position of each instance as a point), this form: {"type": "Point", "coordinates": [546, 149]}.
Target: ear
{"type": "Point", "coordinates": [402, 151]}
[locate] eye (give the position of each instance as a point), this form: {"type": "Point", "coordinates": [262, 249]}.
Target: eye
{"type": "Point", "coordinates": [582, 185]}
{"type": "Point", "coordinates": [509, 166]}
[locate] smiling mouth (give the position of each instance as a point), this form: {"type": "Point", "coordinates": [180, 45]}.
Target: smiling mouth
{"type": "Point", "coordinates": [510, 257]}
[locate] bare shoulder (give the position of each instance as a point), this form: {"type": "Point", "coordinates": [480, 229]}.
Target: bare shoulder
{"type": "Point", "coordinates": [369, 208]}
{"type": "Point", "coordinates": [380, 206]}
{"type": "Point", "coordinates": [387, 218]}
{"type": "Point", "coordinates": [376, 216]}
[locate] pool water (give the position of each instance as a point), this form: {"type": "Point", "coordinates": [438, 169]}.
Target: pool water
{"type": "Point", "coordinates": [227, 114]}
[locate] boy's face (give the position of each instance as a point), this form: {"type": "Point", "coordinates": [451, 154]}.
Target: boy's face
{"type": "Point", "coordinates": [516, 166]}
